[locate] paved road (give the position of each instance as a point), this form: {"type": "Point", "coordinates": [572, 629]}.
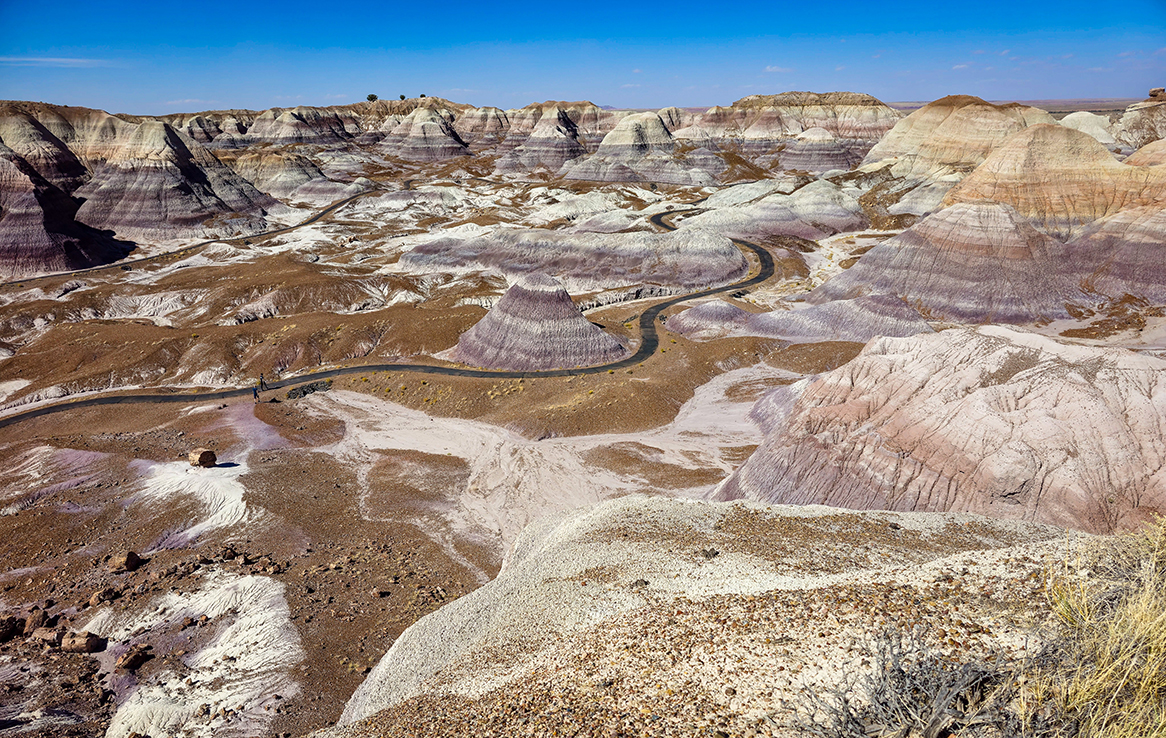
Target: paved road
{"type": "Point", "coordinates": [649, 343]}
{"type": "Point", "coordinates": [188, 249]}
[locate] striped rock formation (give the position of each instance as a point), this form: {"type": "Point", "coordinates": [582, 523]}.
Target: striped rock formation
{"type": "Point", "coordinates": [536, 326]}
{"type": "Point", "coordinates": [968, 263]}
{"type": "Point", "coordinates": [425, 135]}
{"type": "Point", "coordinates": [553, 141]}
{"type": "Point", "coordinates": [1125, 254]}
{"type": "Point", "coordinates": [1150, 155]}
{"type": "Point", "coordinates": [986, 420]}
{"type": "Point", "coordinates": [954, 133]}
{"type": "Point", "coordinates": [817, 150]}
{"type": "Point", "coordinates": [1061, 180]}
{"type": "Point", "coordinates": [640, 149]}
{"type": "Point", "coordinates": [857, 320]}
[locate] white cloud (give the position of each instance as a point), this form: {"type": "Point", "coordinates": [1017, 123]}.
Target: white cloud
{"type": "Point", "coordinates": [1006, 52]}
{"type": "Point", "coordinates": [978, 51]}
{"type": "Point", "coordinates": [778, 69]}
{"type": "Point", "coordinates": [960, 66]}
{"type": "Point", "coordinates": [51, 61]}
{"type": "Point", "coordinates": [191, 101]}
{"type": "Point", "coordinates": [625, 87]}
{"type": "Point", "coordinates": [340, 96]}
{"type": "Point", "coordinates": [839, 68]}
{"type": "Point", "coordinates": [637, 71]}
{"type": "Point", "coordinates": [876, 56]}
{"type": "Point", "coordinates": [1099, 69]}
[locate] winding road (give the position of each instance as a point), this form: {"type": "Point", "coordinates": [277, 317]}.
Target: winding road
{"type": "Point", "coordinates": [649, 340]}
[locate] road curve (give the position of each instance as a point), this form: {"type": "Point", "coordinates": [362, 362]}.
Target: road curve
{"type": "Point", "coordinates": [649, 343]}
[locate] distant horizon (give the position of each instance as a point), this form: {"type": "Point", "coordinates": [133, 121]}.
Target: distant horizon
{"type": "Point", "coordinates": [130, 57]}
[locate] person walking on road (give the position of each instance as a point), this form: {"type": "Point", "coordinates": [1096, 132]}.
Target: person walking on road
{"type": "Point", "coordinates": [262, 383]}
{"type": "Point", "coordinates": [255, 393]}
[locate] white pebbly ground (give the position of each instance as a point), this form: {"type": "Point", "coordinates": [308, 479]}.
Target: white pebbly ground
{"type": "Point", "coordinates": [624, 591]}
{"type": "Point", "coordinates": [226, 687]}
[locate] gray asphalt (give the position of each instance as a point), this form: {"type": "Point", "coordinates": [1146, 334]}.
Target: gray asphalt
{"type": "Point", "coordinates": [649, 343]}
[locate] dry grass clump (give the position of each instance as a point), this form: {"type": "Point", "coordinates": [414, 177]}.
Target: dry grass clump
{"type": "Point", "coordinates": [1102, 674]}
{"type": "Point", "coordinates": [1110, 677]}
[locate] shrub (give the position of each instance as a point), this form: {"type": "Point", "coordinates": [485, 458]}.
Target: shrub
{"type": "Point", "coordinates": [402, 97]}
{"type": "Point", "coordinates": [372, 98]}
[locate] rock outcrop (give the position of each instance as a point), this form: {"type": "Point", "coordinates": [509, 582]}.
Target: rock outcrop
{"type": "Point", "coordinates": [1095, 125]}
{"type": "Point", "coordinates": [425, 135]}
{"type": "Point", "coordinates": [553, 142]}
{"type": "Point", "coordinates": [1143, 123]}
{"type": "Point", "coordinates": [857, 320]}
{"type": "Point", "coordinates": [482, 125]}
{"type": "Point", "coordinates": [1150, 155]}
{"type": "Point", "coordinates": [536, 326]}
{"type": "Point", "coordinates": [983, 420]}
{"type": "Point", "coordinates": [1060, 179]}
{"type": "Point", "coordinates": [814, 211]}
{"type": "Point", "coordinates": [298, 125]}
{"type": "Point", "coordinates": [640, 149]}
{"type": "Point", "coordinates": [677, 261]}
{"type": "Point", "coordinates": [954, 133]}
{"type": "Point", "coordinates": [968, 263]}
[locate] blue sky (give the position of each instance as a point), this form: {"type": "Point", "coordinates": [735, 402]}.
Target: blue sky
{"type": "Point", "coordinates": [154, 58]}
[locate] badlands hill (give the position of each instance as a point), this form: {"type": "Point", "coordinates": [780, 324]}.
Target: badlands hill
{"type": "Point", "coordinates": [980, 420]}
{"type": "Point", "coordinates": [949, 327]}
{"type": "Point", "coordinates": [536, 326]}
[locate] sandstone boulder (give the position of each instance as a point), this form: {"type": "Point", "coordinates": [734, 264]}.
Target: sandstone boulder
{"type": "Point", "coordinates": [83, 642]}
{"type": "Point", "coordinates": [203, 457]}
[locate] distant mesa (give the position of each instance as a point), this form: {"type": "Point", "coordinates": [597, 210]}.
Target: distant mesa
{"type": "Point", "coordinates": [971, 262]}
{"type": "Point", "coordinates": [984, 420]}
{"type": "Point", "coordinates": [1060, 179]}
{"type": "Point", "coordinates": [536, 326]}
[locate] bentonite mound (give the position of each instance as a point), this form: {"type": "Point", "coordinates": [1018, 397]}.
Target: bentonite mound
{"type": "Point", "coordinates": [815, 211]}
{"type": "Point", "coordinates": [1150, 155]}
{"type": "Point", "coordinates": [160, 184]}
{"type": "Point", "coordinates": [482, 125]}
{"type": "Point", "coordinates": [1061, 179]}
{"type": "Point", "coordinates": [640, 149]}
{"type": "Point", "coordinates": [968, 263]}
{"type": "Point", "coordinates": [536, 326]}
{"type": "Point", "coordinates": [298, 125]}
{"type": "Point", "coordinates": [817, 150]}
{"type": "Point", "coordinates": [426, 135]}
{"type": "Point", "coordinates": [38, 232]}
{"type": "Point", "coordinates": [1095, 125]}
{"type": "Point", "coordinates": [952, 133]}
{"type": "Point", "coordinates": [857, 320]}
{"type": "Point", "coordinates": [988, 420]}
{"type": "Point", "coordinates": [679, 260]}
{"type": "Point", "coordinates": [553, 142]}
{"type": "Point", "coordinates": [1125, 254]}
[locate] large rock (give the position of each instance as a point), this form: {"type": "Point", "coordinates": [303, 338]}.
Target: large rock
{"type": "Point", "coordinates": [1151, 155]}
{"type": "Point", "coordinates": [640, 149]}
{"type": "Point", "coordinates": [969, 263]}
{"type": "Point", "coordinates": [678, 261]}
{"type": "Point", "coordinates": [857, 320]}
{"type": "Point", "coordinates": [952, 134]}
{"type": "Point", "coordinates": [815, 211]}
{"type": "Point", "coordinates": [1095, 125]}
{"type": "Point", "coordinates": [536, 326]}
{"type": "Point", "coordinates": [1060, 179]}
{"type": "Point", "coordinates": [552, 142]}
{"type": "Point", "coordinates": [203, 457]}
{"type": "Point", "coordinates": [986, 420]}
{"type": "Point", "coordinates": [426, 135]}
